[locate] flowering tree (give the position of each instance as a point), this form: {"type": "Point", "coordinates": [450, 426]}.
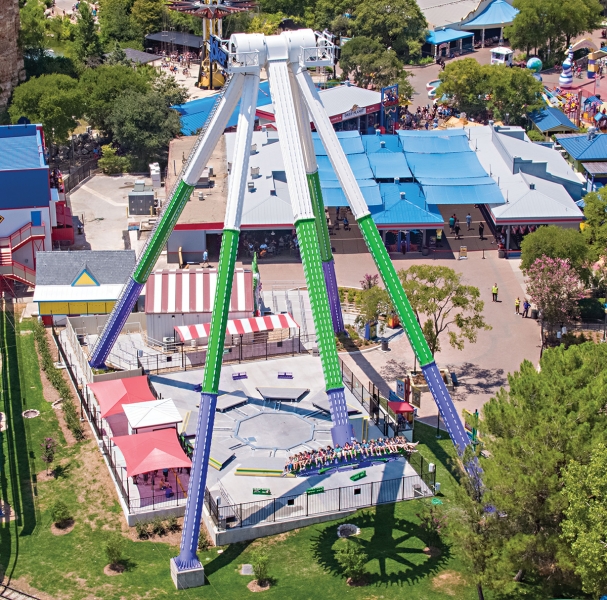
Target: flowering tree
{"type": "Point", "coordinates": [369, 281]}
{"type": "Point", "coordinates": [555, 288]}
{"type": "Point", "coordinates": [49, 446]}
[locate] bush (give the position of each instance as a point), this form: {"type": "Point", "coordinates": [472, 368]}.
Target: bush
{"type": "Point", "coordinates": [173, 525]}
{"type": "Point", "coordinates": [114, 549]}
{"type": "Point", "coordinates": [535, 136]}
{"type": "Point", "coordinates": [158, 526]}
{"type": "Point", "coordinates": [60, 513]}
{"type": "Point", "coordinates": [259, 562]}
{"type": "Point", "coordinates": [592, 308]}
{"type": "Point", "coordinates": [352, 559]}
{"type": "Point", "coordinates": [203, 541]}
{"type": "Point", "coordinates": [143, 530]}
{"type": "Point", "coordinates": [110, 163]}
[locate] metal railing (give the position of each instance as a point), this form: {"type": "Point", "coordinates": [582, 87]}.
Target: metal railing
{"type": "Point", "coordinates": [335, 500]}
{"type": "Point", "coordinates": [243, 61]}
{"type": "Point", "coordinates": [20, 236]}
{"type": "Point", "coordinates": [71, 180]}
{"type": "Point", "coordinates": [18, 271]}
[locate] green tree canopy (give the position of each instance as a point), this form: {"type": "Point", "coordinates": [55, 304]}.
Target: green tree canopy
{"type": "Point", "coordinates": [87, 46]}
{"type": "Point", "coordinates": [53, 100]}
{"type": "Point", "coordinates": [326, 11]}
{"type": "Point", "coordinates": [557, 242]}
{"type": "Point", "coordinates": [115, 21]}
{"type": "Point", "coordinates": [373, 303]}
{"type": "Point", "coordinates": [585, 522]}
{"type": "Point", "coordinates": [595, 225]}
{"type": "Point", "coordinates": [397, 24]}
{"type": "Point", "coordinates": [448, 305]}
{"type": "Point", "coordinates": [547, 417]}
{"type": "Point", "coordinates": [32, 34]}
{"type": "Point", "coordinates": [463, 82]}
{"type": "Point", "coordinates": [101, 87]}
{"type": "Point", "coordinates": [143, 125]}
{"type": "Point", "coordinates": [146, 16]}
{"type": "Point", "coordinates": [369, 62]}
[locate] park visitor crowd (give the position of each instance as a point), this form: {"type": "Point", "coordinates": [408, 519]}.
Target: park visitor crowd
{"type": "Point", "coordinates": [331, 456]}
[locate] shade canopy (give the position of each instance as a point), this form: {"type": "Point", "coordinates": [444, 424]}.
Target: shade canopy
{"type": "Point", "coordinates": [154, 413]}
{"type": "Point", "coordinates": [151, 451]}
{"type": "Point", "coordinates": [111, 395]}
{"type": "Point", "coordinates": [400, 408]}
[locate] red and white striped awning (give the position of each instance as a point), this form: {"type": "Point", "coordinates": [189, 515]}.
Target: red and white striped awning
{"type": "Point", "coordinates": [193, 291]}
{"type": "Point", "coordinates": [238, 326]}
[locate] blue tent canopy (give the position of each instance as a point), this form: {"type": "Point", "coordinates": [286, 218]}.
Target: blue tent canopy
{"type": "Point", "coordinates": [464, 194]}
{"type": "Point", "coordinates": [373, 143]}
{"type": "Point", "coordinates": [436, 144]}
{"type": "Point", "coordinates": [350, 141]}
{"type": "Point", "coordinates": [498, 14]}
{"type": "Point", "coordinates": [358, 162]}
{"type": "Point", "coordinates": [453, 165]}
{"type": "Point", "coordinates": [334, 196]}
{"type": "Point", "coordinates": [445, 35]}
{"type": "Point", "coordinates": [387, 165]}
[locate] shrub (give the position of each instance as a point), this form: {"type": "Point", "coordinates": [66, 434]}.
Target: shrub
{"type": "Point", "coordinates": [259, 562]}
{"type": "Point", "coordinates": [143, 530]}
{"type": "Point", "coordinates": [60, 513]}
{"type": "Point", "coordinates": [173, 525]}
{"type": "Point", "coordinates": [49, 447]}
{"type": "Point", "coordinates": [203, 541]}
{"type": "Point", "coordinates": [158, 526]}
{"type": "Point", "coordinates": [114, 549]}
{"type": "Point", "coordinates": [110, 163]}
{"type": "Point", "coordinates": [352, 559]}
{"type": "Point", "coordinates": [535, 136]}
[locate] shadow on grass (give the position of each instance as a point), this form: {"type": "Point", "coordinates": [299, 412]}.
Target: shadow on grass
{"type": "Point", "coordinates": [388, 544]}
{"type": "Point", "coordinates": [427, 436]}
{"type": "Point", "coordinates": [231, 553]}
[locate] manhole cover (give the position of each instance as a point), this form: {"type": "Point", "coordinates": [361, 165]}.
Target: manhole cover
{"type": "Point", "coordinates": [246, 570]}
{"type": "Point", "coordinates": [30, 413]}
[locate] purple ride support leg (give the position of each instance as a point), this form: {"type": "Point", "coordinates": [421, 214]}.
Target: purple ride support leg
{"type": "Point", "coordinates": [341, 432]}
{"type": "Point", "coordinates": [115, 323]}
{"type": "Point", "coordinates": [188, 559]}
{"type": "Point", "coordinates": [328, 269]}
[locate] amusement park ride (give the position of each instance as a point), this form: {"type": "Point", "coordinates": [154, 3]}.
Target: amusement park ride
{"type": "Point", "coordinates": [286, 58]}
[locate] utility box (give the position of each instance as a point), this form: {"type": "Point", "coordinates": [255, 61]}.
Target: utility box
{"type": "Point", "coordinates": [141, 199]}
{"type": "Point", "coordinates": [155, 175]}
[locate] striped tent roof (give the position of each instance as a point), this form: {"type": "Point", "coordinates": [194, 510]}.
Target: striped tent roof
{"type": "Point", "coordinates": [193, 291]}
{"type": "Point", "coordinates": [238, 326]}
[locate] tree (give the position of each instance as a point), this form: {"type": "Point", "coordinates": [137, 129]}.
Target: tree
{"type": "Point", "coordinates": [143, 125]}
{"type": "Point", "coordinates": [115, 21]}
{"type": "Point", "coordinates": [87, 46]}
{"type": "Point", "coordinates": [464, 83]}
{"type": "Point", "coordinates": [369, 62]}
{"type": "Point", "coordinates": [450, 306]}
{"type": "Point", "coordinates": [60, 513]}
{"type": "Point", "coordinates": [53, 100]}
{"type": "Point", "coordinates": [118, 56]}
{"type": "Point", "coordinates": [557, 242]}
{"type": "Point", "coordinates": [114, 549]}
{"type": "Point", "coordinates": [110, 163]}
{"type": "Point", "coordinates": [373, 303]}
{"type": "Point", "coordinates": [49, 447]}
{"type": "Point", "coordinates": [326, 11]}
{"type": "Point", "coordinates": [265, 23]}
{"type": "Point", "coordinates": [101, 88]}
{"type": "Point", "coordinates": [32, 34]}
{"type": "Point", "coordinates": [168, 88]}
{"type": "Point", "coordinates": [146, 16]}
{"type": "Point", "coordinates": [259, 562]}
{"type": "Point", "coordinates": [545, 418]}
{"type": "Point", "coordinates": [585, 520]}
{"type": "Point", "coordinates": [595, 225]}
{"type": "Point", "coordinates": [555, 288]}
{"type": "Point", "coordinates": [352, 559]}
{"type": "Point", "coordinates": [397, 24]}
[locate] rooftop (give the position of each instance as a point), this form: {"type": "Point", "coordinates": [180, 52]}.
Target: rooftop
{"type": "Point", "coordinates": [498, 14]}
{"type": "Point", "coordinates": [21, 147]}
{"type": "Point", "coordinates": [581, 146]}
{"type": "Point", "coordinates": [440, 13]}
{"type": "Point", "coordinates": [550, 118]}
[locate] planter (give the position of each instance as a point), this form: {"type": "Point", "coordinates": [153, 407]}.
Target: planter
{"type": "Point", "coordinates": [421, 384]}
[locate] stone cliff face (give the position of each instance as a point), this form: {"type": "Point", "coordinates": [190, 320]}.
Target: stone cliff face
{"type": "Point", "coordinates": [11, 62]}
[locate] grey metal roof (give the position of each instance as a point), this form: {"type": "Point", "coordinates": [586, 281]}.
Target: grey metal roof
{"type": "Point", "coordinates": [62, 268]}
{"type": "Point", "coordinates": [595, 168]}
{"type": "Point", "coordinates": [439, 13]}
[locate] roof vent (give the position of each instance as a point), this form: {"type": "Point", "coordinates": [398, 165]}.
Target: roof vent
{"type": "Point", "coordinates": [377, 132]}
{"type": "Point", "coordinates": [382, 144]}
{"type": "Point", "coordinates": [532, 186]}
{"type": "Point", "coordinates": [396, 180]}
{"type": "Point", "coordinates": [491, 123]}
{"type": "Point", "coordinates": [254, 172]}
{"type": "Point", "coordinates": [402, 195]}
{"type": "Point", "coordinates": [264, 129]}
{"type": "Point", "coordinates": [253, 148]}
{"type": "Point", "coordinates": [272, 192]}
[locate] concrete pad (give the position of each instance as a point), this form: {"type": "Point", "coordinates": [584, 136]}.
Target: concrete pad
{"type": "Point", "coordinates": [184, 580]}
{"type": "Point", "coordinates": [282, 394]}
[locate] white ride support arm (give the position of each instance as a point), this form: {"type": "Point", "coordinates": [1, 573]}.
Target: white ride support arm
{"type": "Point", "coordinates": [331, 143]}
{"type": "Point", "coordinates": [303, 120]}
{"type": "Point", "coordinates": [242, 152]}
{"type": "Point", "coordinates": [215, 130]}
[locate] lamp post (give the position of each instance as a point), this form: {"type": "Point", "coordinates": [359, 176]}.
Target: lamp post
{"type": "Point", "coordinates": [174, 338]}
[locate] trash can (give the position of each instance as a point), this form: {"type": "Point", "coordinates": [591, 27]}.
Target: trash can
{"type": "Point", "coordinates": [534, 313]}
{"type": "Point", "coordinates": [425, 251]}
{"type": "Point", "coordinates": [80, 230]}
{"type": "Point", "coordinates": [384, 346]}
{"type": "Point", "coordinates": [501, 254]}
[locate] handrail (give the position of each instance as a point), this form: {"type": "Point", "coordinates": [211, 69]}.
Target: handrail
{"type": "Point", "coordinates": [18, 233]}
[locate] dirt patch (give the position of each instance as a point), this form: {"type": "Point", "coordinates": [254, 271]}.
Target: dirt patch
{"type": "Point", "coordinates": [170, 537]}
{"type": "Point", "coordinates": [64, 529]}
{"type": "Point", "coordinates": [448, 582]}
{"type": "Point", "coordinates": [432, 551]}
{"type": "Point", "coordinates": [22, 584]}
{"type": "Point", "coordinates": [356, 582]}
{"type": "Point", "coordinates": [111, 570]}
{"type": "Point", "coordinates": [255, 587]}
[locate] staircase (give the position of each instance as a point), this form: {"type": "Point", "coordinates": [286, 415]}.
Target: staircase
{"type": "Point", "coordinates": [8, 266]}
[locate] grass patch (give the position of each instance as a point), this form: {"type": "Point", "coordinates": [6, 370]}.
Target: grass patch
{"type": "Point", "coordinates": [301, 564]}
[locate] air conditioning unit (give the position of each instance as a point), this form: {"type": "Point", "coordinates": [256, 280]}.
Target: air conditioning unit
{"type": "Point", "coordinates": [254, 172]}
{"type": "Point", "coordinates": [253, 148]}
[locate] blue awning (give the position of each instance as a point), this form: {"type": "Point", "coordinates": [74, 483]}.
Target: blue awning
{"type": "Point", "coordinates": [333, 195]}
{"type": "Point", "coordinates": [498, 14]}
{"type": "Point", "coordinates": [442, 36]}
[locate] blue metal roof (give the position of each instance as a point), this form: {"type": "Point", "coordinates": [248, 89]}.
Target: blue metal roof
{"type": "Point", "coordinates": [372, 143]}
{"type": "Point", "coordinates": [350, 141]}
{"type": "Point", "coordinates": [20, 148]}
{"type": "Point", "coordinates": [387, 165]}
{"type": "Point", "coordinates": [445, 166]}
{"type": "Point", "coordinates": [420, 133]}
{"type": "Point", "coordinates": [549, 118]}
{"type": "Point", "coordinates": [334, 196]}
{"type": "Point", "coordinates": [412, 210]}
{"type": "Point", "coordinates": [464, 194]}
{"type": "Point", "coordinates": [436, 144]}
{"type": "Point", "coordinates": [497, 14]}
{"type": "Point", "coordinates": [194, 114]}
{"type": "Point", "coordinates": [446, 35]}
{"type": "Point", "coordinates": [580, 147]}
{"type": "Point", "coordinates": [358, 162]}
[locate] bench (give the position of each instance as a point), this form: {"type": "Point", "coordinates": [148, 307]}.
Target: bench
{"type": "Point", "coordinates": [285, 375]}
{"type": "Point", "coordinates": [358, 476]}
{"type": "Point", "coordinates": [241, 375]}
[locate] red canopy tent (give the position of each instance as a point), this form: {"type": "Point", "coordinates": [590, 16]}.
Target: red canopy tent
{"type": "Point", "coordinates": [151, 451]}
{"type": "Point", "coordinates": [400, 408]}
{"type": "Point", "coordinates": [111, 395]}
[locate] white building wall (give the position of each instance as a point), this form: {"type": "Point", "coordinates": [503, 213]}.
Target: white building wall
{"type": "Point", "coordinates": [160, 326]}
{"type": "Point", "coordinates": [16, 218]}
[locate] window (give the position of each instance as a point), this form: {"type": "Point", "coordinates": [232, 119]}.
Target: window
{"type": "Point", "coordinates": [357, 491]}
{"type": "Point", "coordinates": [291, 502]}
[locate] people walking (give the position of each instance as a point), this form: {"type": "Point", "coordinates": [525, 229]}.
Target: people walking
{"type": "Point", "coordinates": [451, 223]}
{"type": "Point", "coordinates": [494, 291]}
{"type": "Point", "coordinates": [517, 306]}
{"type": "Point", "coordinates": [526, 307]}
{"type": "Point", "coordinates": [468, 221]}
{"type": "Point", "coordinates": [481, 230]}
{"type": "Point", "coordinates": [456, 229]}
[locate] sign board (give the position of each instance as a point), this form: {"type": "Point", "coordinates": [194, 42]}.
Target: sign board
{"type": "Point", "coordinates": [389, 95]}
{"type": "Point", "coordinates": [217, 52]}
{"type": "Point", "coordinates": [1, 218]}
{"type": "Point", "coordinates": [416, 397]}
{"type": "Point", "coordinates": [400, 388]}
{"type": "Point", "coordinates": [463, 252]}
{"type": "Point", "coordinates": [356, 111]}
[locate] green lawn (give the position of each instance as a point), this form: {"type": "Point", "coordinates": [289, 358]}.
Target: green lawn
{"type": "Point", "coordinates": [302, 563]}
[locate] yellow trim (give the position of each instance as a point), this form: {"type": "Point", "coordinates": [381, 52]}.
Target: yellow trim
{"type": "Point", "coordinates": [84, 278]}
{"type": "Point", "coordinates": [75, 308]}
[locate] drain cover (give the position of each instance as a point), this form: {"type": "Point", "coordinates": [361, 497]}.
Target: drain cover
{"type": "Point", "coordinates": [30, 413]}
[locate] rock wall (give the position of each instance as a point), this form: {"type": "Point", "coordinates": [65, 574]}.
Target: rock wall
{"type": "Point", "coordinates": [11, 63]}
